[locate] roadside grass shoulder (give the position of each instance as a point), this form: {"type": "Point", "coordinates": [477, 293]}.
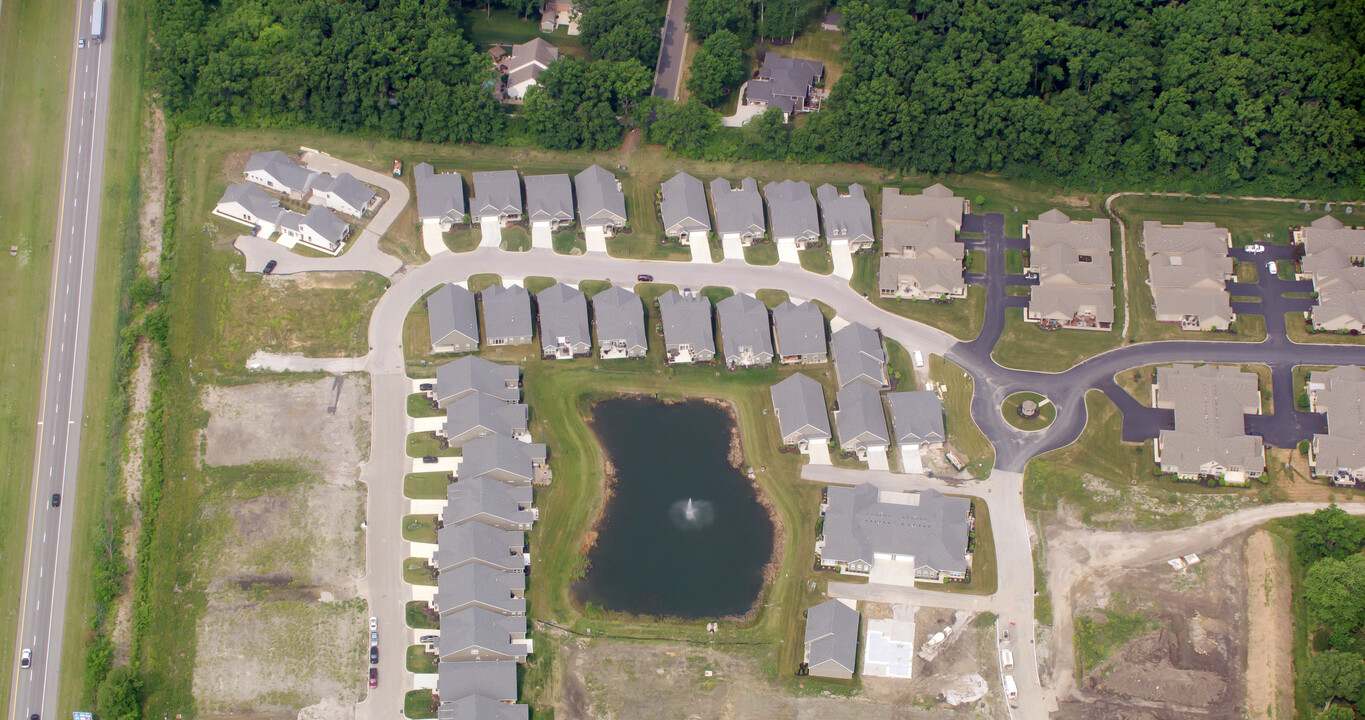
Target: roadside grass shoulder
{"type": "Point", "coordinates": [964, 435]}
{"type": "Point", "coordinates": [419, 704]}
{"type": "Point", "coordinates": [420, 528]}
{"type": "Point", "coordinates": [962, 318]}
{"type": "Point", "coordinates": [1299, 331]}
{"type": "Point", "coordinates": [419, 406]}
{"type": "Point", "coordinates": [1024, 346]}
{"type": "Point", "coordinates": [817, 260]}
{"type": "Point", "coordinates": [426, 486]}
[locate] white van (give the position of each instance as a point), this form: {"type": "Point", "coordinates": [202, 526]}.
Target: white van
{"type": "Point", "coordinates": [918, 358]}
{"type": "Point", "coordinates": [1006, 660]}
{"type": "Point", "coordinates": [1011, 690]}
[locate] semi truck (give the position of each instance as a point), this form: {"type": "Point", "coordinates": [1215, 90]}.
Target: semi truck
{"type": "Point", "coordinates": [97, 21]}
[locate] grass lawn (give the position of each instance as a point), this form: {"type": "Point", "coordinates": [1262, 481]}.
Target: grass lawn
{"type": "Point", "coordinates": [1014, 262]}
{"type": "Point", "coordinates": [1026, 347]}
{"type": "Point", "coordinates": [535, 283]}
{"type": "Point", "coordinates": [482, 281]}
{"type": "Point", "coordinates": [423, 444]}
{"type": "Point", "coordinates": [761, 253]}
{"type": "Point", "coordinates": [419, 704]}
{"type": "Point", "coordinates": [426, 486]}
{"type": "Point", "coordinates": [591, 287]}
{"type": "Point", "coordinates": [899, 366]}
{"type": "Point", "coordinates": [462, 240]}
{"type": "Point", "coordinates": [772, 298]}
{"type": "Point", "coordinates": [504, 26]}
{"type": "Point", "coordinates": [420, 616]}
{"type": "Point", "coordinates": [1057, 476]}
{"type": "Point", "coordinates": [985, 579]}
{"type": "Point", "coordinates": [569, 242]}
{"type": "Point", "coordinates": [418, 571]}
{"type": "Point", "coordinates": [420, 661]}
{"type": "Point", "coordinates": [1250, 221]}
{"type": "Point", "coordinates": [963, 434]}
{"type": "Point", "coordinates": [715, 294]}
{"type": "Point", "coordinates": [976, 261]}
{"type": "Point", "coordinates": [516, 239]}
{"type": "Point", "coordinates": [420, 528]}
{"type": "Point", "coordinates": [1301, 332]}
{"type": "Point", "coordinates": [817, 260]}
{"type": "Point", "coordinates": [420, 406]}
{"type": "Point", "coordinates": [1138, 382]}
{"type": "Point", "coordinates": [1247, 272]}
{"type": "Point", "coordinates": [1301, 375]}
{"type": "Point", "coordinates": [1098, 637]}
{"type": "Point", "coordinates": [1044, 417]}
{"type": "Point", "coordinates": [962, 318]}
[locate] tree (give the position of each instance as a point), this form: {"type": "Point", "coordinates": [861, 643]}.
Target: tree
{"type": "Point", "coordinates": [783, 19]}
{"type": "Point", "coordinates": [1335, 593]}
{"type": "Point", "coordinates": [772, 132]}
{"type": "Point", "coordinates": [119, 696]}
{"type": "Point", "coordinates": [622, 30]}
{"type": "Point", "coordinates": [1329, 532]}
{"type": "Point", "coordinates": [718, 64]}
{"type": "Point", "coordinates": [575, 104]}
{"type": "Point", "coordinates": [1334, 675]}
{"type": "Point", "coordinates": [705, 17]}
{"type": "Point", "coordinates": [1337, 712]}
{"type": "Point", "coordinates": [685, 128]}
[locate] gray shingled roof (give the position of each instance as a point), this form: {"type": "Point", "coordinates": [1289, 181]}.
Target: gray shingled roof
{"type": "Point", "coordinates": [476, 542]}
{"type": "Point", "coordinates": [483, 586]}
{"type": "Point", "coordinates": [600, 200]}
{"type": "Point", "coordinates": [858, 355]}
{"type": "Point", "coordinates": [478, 707]}
{"type": "Point", "coordinates": [253, 199]}
{"type": "Point", "coordinates": [326, 224]}
{"type": "Point", "coordinates": [500, 456]}
{"type": "Point", "coordinates": [832, 634]}
{"type": "Point", "coordinates": [563, 314]}
{"type": "Point", "coordinates": [496, 193]}
{"type": "Point", "coordinates": [793, 210]}
{"type": "Point", "coordinates": [744, 327]}
{"type": "Point", "coordinates": [916, 417]}
{"type": "Point", "coordinates": [847, 217]}
{"type": "Point", "coordinates": [782, 79]}
{"type": "Point", "coordinates": [858, 524]}
{"type": "Point", "coordinates": [1210, 403]}
{"type": "Point", "coordinates": [471, 374]}
{"type": "Point", "coordinates": [799, 404]}
{"type": "Point", "coordinates": [687, 321]}
{"type": "Point", "coordinates": [549, 197]}
{"type": "Point", "coordinates": [284, 169]}
{"type": "Point", "coordinates": [535, 51]}
{"type": "Point", "coordinates": [477, 410]}
{"type": "Point", "coordinates": [482, 629]}
{"type": "Point", "coordinates": [684, 205]}
{"type": "Point", "coordinates": [355, 193]}
{"type": "Point", "coordinates": [619, 315]}
{"type": "Point", "coordinates": [439, 195]}
{"type": "Point", "coordinates": [800, 329]}
{"type": "Point", "coordinates": [451, 311]}
{"type": "Point", "coordinates": [492, 680]}
{"type": "Point", "coordinates": [1340, 393]}
{"type": "Point", "coordinates": [506, 312]}
{"type": "Point", "coordinates": [471, 498]}
{"type": "Point", "coordinates": [738, 210]}
{"type": "Point", "coordinates": [860, 418]}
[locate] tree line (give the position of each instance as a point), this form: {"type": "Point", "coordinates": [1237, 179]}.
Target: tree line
{"type": "Point", "coordinates": [1328, 545]}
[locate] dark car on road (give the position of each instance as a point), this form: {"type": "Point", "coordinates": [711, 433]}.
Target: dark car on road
{"type": "Point", "coordinates": [270, 267]}
{"type": "Point", "coordinates": [644, 278]}
{"type": "Point", "coordinates": [374, 678]}
{"type": "Point", "coordinates": [56, 499]}
{"type": "Point", "coordinates": [374, 656]}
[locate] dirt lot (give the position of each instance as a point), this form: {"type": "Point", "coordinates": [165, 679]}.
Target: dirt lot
{"type": "Point", "coordinates": [1270, 629]}
{"type": "Point", "coordinates": [967, 657]}
{"type": "Point", "coordinates": [283, 551]}
{"type": "Point", "coordinates": [1190, 664]}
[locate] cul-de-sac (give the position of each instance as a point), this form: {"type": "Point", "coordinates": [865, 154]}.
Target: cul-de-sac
{"type": "Point", "coordinates": [694, 359]}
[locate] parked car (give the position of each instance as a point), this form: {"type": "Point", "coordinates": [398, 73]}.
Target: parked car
{"type": "Point", "coordinates": [1256, 248]}
{"type": "Point", "coordinates": [374, 678]}
{"type": "Point", "coordinates": [374, 639]}
{"type": "Point", "coordinates": [270, 267]}
{"type": "Point", "coordinates": [34, 716]}
{"type": "Point", "coordinates": [56, 499]}
{"type": "Point", "coordinates": [644, 278]}
{"type": "Point", "coordinates": [25, 659]}
{"type": "Point", "coordinates": [374, 656]}
{"type": "Point", "coordinates": [428, 639]}
{"type": "Point", "coordinates": [1272, 267]}
{"type": "Point", "coordinates": [374, 623]}
{"type": "Point", "coordinates": [426, 387]}
{"type": "Point", "coordinates": [430, 459]}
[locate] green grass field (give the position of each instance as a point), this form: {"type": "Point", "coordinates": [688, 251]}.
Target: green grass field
{"type": "Point", "coordinates": [1045, 415]}
{"type": "Point", "coordinates": [962, 318]}
{"type": "Point", "coordinates": [1023, 345]}
{"type": "Point", "coordinates": [963, 434]}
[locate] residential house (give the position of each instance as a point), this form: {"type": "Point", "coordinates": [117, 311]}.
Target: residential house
{"type": "Point", "coordinates": [832, 640]}
{"type": "Point", "coordinates": [1339, 454]}
{"type": "Point", "coordinates": [490, 502]}
{"type": "Point", "coordinates": [601, 204]}
{"type": "Point", "coordinates": [440, 197]}
{"type": "Point", "coordinates": [847, 217]}
{"type": "Point", "coordinates": [1209, 439]}
{"type": "Point", "coordinates": [799, 406]}
{"type": "Point", "coordinates": [683, 208]}
{"type": "Point", "coordinates": [345, 194]}
{"type": "Point", "coordinates": [524, 66]}
{"type": "Point", "coordinates": [1189, 269]}
{"type": "Point", "coordinates": [501, 458]}
{"type": "Point", "coordinates": [476, 415]}
{"type": "Point", "coordinates": [1075, 278]}
{"type": "Point", "coordinates": [794, 216]}
{"type": "Point", "coordinates": [506, 315]}
{"type": "Point", "coordinates": [459, 545]}
{"type": "Point", "coordinates": [489, 682]}
{"type": "Point", "coordinates": [497, 196]}
{"type": "Point", "coordinates": [916, 420]}
{"type": "Point", "coordinates": [453, 319]}
{"type": "Point", "coordinates": [859, 357]}
{"type": "Point", "coordinates": [800, 333]}
{"type": "Point", "coordinates": [860, 420]}
{"type": "Point", "coordinates": [471, 374]}
{"type": "Point", "coordinates": [787, 83]}
{"type": "Point", "coordinates": [921, 256]}
{"type": "Point", "coordinates": [896, 537]}
{"type": "Point", "coordinates": [739, 210]}
{"type": "Point", "coordinates": [320, 229]}
{"type": "Point", "coordinates": [620, 319]}
{"type": "Point", "coordinates": [1334, 259]}
{"type": "Point", "coordinates": [549, 201]}
{"type": "Point", "coordinates": [830, 21]}
{"type": "Point", "coordinates": [478, 707]}
{"type": "Point", "coordinates": [482, 587]}
{"type": "Point", "coordinates": [745, 332]}
{"type": "Point", "coordinates": [479, 635]}
{"type": "Point", "coordinates": [249, 205]}
{"type": "Point", "coordinates": [688, 335]}
{"type": "Point", "coordinates": [564, 329]}
{"type": "Point", "coordinates": [279, 172]}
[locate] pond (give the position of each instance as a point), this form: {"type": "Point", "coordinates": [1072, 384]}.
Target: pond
{"type": "Point", "coordinates": [683, 532]}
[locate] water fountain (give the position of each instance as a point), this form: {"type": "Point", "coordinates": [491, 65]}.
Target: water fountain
{"type": "Point", "coordinates": [691, 514]}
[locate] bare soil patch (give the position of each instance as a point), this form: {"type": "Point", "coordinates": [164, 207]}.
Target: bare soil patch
{"type": "Point", "coordinates": [151, 215]}
{"type": "Point", "coordinates": [969, 651]}
{"type": "Point", "coordinates": [1270, 629]}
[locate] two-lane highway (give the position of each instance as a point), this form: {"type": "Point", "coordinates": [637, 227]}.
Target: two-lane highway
{"type": "Point", "coordinates": [65, 355]}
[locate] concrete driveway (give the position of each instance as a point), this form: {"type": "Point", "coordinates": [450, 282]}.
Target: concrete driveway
{"type": "Point", "coordinates": [490, 233]}
{"type": "Point", "coordinates": [843, 259]}
{"type": "Point", "coordinates": [596, 239]}
{"type": "Point", "coordinates": [787, 252]}
{"type": "Point", "coordinates": [701, 251]}
{"type": "Point", "coordinates": [733, 248]}
{"type": "Point", "coordinates": [433, 240]}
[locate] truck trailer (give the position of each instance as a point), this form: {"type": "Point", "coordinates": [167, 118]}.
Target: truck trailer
{"type": "Point", "coordinates": [97, 21]}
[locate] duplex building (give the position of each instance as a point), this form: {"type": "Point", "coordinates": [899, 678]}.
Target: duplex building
{"type": "Point", "coordinates": [489, 502]}
{"type": "Point", "coordinates": [320, 229]}
{"type": "Point", "coordinates": [847, 217]}
{"type": "Point", "coordinates": [1189, 269]}
{"type": "Point", "coordinates": [481, 685]}
{"type": "Point", "coordinates": [1075, 277]}
{"type": "Point", "coordinates": [248, 204]}
{"type": "Point", "coordinates": [1334, 259]}
{"type": "Point", "coordinates": [453, 319]}
{"type": "Point", "coordinates": [745, 333]}
{"type": "Point", "coordinates": [601, 204]}
{"type": "Point", "coordinates": [1209, 439]}
{"type": "Point", "coordinates": [281, 173]}
{"type": "Point", "coordinates": [688, 334]}
{"type": "Point", "coordinates": [470, 375]}
{"type": "Point", "coordinates": [476, 543]}
{"type": "Point", "coordinates": [476, 415]}
{"type": "Point", "coordinates": [524, 66]}
{"type": "Point", "coordinates": [895, 537]}
{"type": "Point", "coordinates": [480, 586]}
{"type": "Point", "coordinates": [501, 458]}
{"type": "Point", "coordinates": [921, 256]}
{"type": "Point", "coordinates": [479, 635]}
{"type": "Point", "coordinates": [795, 219]}
{"type": "Point", "coordinates": [620, 319]}
{"type": "Point", "coordinates": [506, 315]}
{"type": "Point", "coordinates": [860, 420]}
{"type": "Point", "coordinates": [739, 210]}
{"type": "Point", "coordinates": [859, 357]}
{"type": "Point", "coordinates": [564, 329]}
{"type": "Point", "coordinates": [440, 197]}
{"type": "Point", "coordinates": [832, 640]}
{"type": "Point", "coordinates": [683, 208]}
{"type": "Point", "coordinates": [345, 194]}
{"type": "Point", "coordinates": [1339, 454]}
{"type": "Point", "coordinates": [787, 83]}
{"type": "Point", "coordinates": [799, 406]}
{"type": "Point", "coordinates": [800, 333]}
{"type": "Point", "coordinates": [497, 197]}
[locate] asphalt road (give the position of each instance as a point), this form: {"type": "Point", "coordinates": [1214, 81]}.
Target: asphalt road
{"type": "Point", "coordinates": [42, 604]}
{"type": "Point", "coordinates": [668, 70]}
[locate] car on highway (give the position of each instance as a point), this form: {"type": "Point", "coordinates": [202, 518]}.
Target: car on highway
{"type": "Point", "coordinates": [270, 267]}
{"type": "Point", "coordinates": [80, 44]}
{"type": "Point", "coordinates": [56, 499]}
{"type": "Point", "coordinates": [429, 459]}
{"type": "Point", "coordinates": [34, 716]}
{"type": "Point", "coordinates": [1255, 248]}
{"type": "Point", "coordinates": [374, 656]}
{"type": "Point", "coordinates": [25, 659]}
{"type": "Point", "coordinates": [644, 278]}
{"type": "Point", "coordinates": [374, 623]}
{"type": "Point", "coordinates": [374, 678]}
{"type": "Point", "coordinates": [374, 639]}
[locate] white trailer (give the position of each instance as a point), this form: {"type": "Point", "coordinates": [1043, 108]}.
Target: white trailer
{"type": "Point", "coordinates": [1011, 690]}
{"type": "Point", "coordinates": [97, 21]}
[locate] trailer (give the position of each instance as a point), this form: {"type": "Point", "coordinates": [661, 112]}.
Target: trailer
{"type": "Point", "coordinates": [97, 21]}
{"type": "Point", "coordinates": [1011, 690]}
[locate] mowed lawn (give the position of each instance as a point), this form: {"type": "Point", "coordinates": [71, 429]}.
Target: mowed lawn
{"type": "Point", "coordinates": [35, 54]}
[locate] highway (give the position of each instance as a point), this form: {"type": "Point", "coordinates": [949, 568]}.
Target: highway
{"type": "Point", "coordinates": [47, 553]}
